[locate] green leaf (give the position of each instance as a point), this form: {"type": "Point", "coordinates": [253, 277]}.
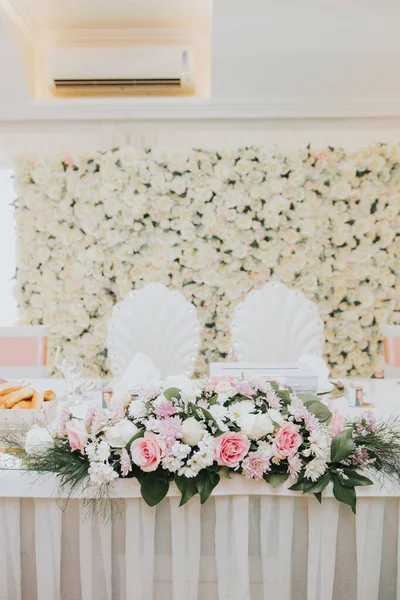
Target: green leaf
{"type": "Point", "coordinates": [172, 393]}
{"type": "Point", "coordinates": [297, 487]}
{"type": "Point", "coordinates": [224, 472]}
{"type": "Point", "coordinates": [319, 410]}
{"type": "Point", "coordinates": [208, 416]}
{"type": "Point", "coordinates": [342, 445]}
{"type": "Point", "coordinates": [315, 487]}
{"type": "Point", "coordinates": [154, 488]}
{"type": "Point", "coordinates": [274, 385]}
{"type": "Point", "coordinates": [353, 479]}
{"type": "Point", "coordinates": [205, 483]}
{"type": "Point", "coordinates": [213, 400]}
{"type": "Point", "coordinates": [284, 395]}
{"type": "Point", "coordinates": [308, 397]}
{"type": "Point", "coordinates": [347, 495]}
{"type": "Point", "coordinates": [318, 496]}
{"type": "Point", "coordinates": [187, 488]}
{"type": "Point", "coordinates": [137, 435]}
{"type": "Point", "coordinates": [275, 479]}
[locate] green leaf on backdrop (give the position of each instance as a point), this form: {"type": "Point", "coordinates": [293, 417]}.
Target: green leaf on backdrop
{"type": "Point", "coordinates": [172, 393]}
{"type": "Point", "coordinates": [275, 479]}
{"type": "Point", "coordinates": [187, 487]}
{"type": "Point", "coordinates": [347, 495]}
{"type": "Point", "coordinates": [154, 488]}
{"type": "Point", "coordinates": [205, 483]}
{"type": "Point", "coordinates": [342, 445]}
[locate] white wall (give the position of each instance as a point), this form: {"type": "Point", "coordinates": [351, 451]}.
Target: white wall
{"type": "Point", "coordinates": [8, 306]}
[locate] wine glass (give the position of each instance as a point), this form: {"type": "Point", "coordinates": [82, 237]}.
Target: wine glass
{"type": "Point", "coordinates": [67, 360]}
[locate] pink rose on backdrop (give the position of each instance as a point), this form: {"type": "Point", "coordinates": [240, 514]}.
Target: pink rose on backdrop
{"type": "Point", "coordinates": [231, 448]}
{"type": "Point", "coordinates": [287, 440]}
{"type": "Point", "coordinates": [147, 452]}
{"type": "Point", "coordinates": [337, 424]}
{"type": "Point", "coordinates": [77, 435]}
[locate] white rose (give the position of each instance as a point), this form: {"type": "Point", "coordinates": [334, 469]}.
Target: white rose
{"type": "Point", "coordinates": [256, 426]}
{"type": "Point", "coordinates": [192, 431]}
{"type": "Point", "coordinates": [242, 409]}
{"type": "Point", "coordinates": [275, 416]}
{"type": "Point", "coordinates": [224, 386]}
{"type": "Point", "coordinates": [119, 435]}
{"type": "Point", "coordinates": [38, 439]}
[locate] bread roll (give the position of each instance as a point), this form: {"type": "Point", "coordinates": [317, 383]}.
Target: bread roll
{"type": "Point", "coordinates": [8, 387]}
{"type": "Point", "coordinates": [22, 405]}
{"type": "Point", "coordinates": [49, 395]}
{"type": "Point", "coordinates": [37, 400]}
{"type": "Point", "coordinates": [24, 393]}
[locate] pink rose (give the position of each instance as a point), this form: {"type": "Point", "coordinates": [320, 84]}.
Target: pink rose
{"type": "Point", "coordinates": [231, 448]}
{"type": "Point", "coordinates": [287, 440]}
{"type": "Point", "coordinates": [77, 435]}
{"type": "Point", "coordinates": [147, 452]}
{"type": "Point", "coordinates": [337, 424]}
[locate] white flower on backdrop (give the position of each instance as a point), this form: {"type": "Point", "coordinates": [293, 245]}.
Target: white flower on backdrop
{"type": "Point", "coordinates": [213, 225]}
{"type": "Point", "coordinates": [8, 304]}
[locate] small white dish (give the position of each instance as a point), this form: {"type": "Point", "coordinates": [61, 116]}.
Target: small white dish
{"type": "Point", "coordinates": [325, 388]}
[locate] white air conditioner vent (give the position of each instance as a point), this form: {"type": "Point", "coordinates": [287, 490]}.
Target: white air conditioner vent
{"type": "Point", "coordinates": [115, 71]}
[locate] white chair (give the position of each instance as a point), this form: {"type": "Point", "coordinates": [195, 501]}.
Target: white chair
{"type": "Point", "coordinates": [276, 324]}
{"type": "Point", "coordinates": [159, 323]}
{"type": "Point", "coordinates": [23, 352]}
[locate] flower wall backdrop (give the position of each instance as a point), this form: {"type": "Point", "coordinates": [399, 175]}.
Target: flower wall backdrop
{"type": "Point", "coordinates": [213, 225]}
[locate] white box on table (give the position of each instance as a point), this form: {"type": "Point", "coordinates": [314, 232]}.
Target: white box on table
{"type": "Point", "coordinates": [298, 376]}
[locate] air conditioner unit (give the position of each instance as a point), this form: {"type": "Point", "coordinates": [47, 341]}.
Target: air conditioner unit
{"type": "Point", "coordinates": [120, 71]}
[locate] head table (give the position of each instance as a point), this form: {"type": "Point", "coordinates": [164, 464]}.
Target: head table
{"type": "Point", "coordinates": [248, 542]}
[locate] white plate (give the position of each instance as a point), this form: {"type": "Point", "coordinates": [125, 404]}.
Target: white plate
{"type": "Point", "coordinates": [326, 388]}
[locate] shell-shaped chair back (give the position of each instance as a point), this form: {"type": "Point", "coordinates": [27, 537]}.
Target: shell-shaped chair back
{"type": "Point", "coordinates": [158, 322]}
{"type": "Point", "coordinates": [276, 324]}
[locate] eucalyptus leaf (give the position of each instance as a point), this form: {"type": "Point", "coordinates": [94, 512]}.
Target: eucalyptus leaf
{"type": "Point", "coordinates": [154, 488]}
{"type": "Point", "coordinates": [172, 393]}
{"type": "Point", "coordinates": [342, 445]}
{"type": "Point", "coordinates": [306, 397]}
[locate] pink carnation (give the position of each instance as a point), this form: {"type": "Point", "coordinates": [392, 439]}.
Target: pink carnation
{"type": "Point", "coordinates": [245, 388]}
{"type": "Point", "coordinates": [65, 416]}
{"type": "Point", "coordinates": [117, 409]}
{"type": "Point", "coordinates": [147, 452]}
{"type": "Point", "coordinates": [337, 424]}
{"type": "Point", "coordinates": [95, 419]}
{"type": "Point", "coordinates": [287, 441]}
{"type": "Point", "coordinates": [255, 465]}
{"type": "Point", "coordinates": [164, 409]}
{"type": "Point", "coordinates": [273, 400]}
{"type": "Point", "coordinates": [77, 435]}
{"type": "Point", "coordinates": [126, 465]}
{"type": "Point", "coordinates": [231, 448]}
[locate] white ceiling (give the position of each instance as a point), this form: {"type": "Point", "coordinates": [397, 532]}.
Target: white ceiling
{"type": "Point", "coordinates": [50, 14]}
{"type": "Point", "coordinates": [269, 58]}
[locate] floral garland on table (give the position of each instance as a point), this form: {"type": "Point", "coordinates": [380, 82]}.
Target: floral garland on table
{"type": "Point", "coordinates": [198, 432]}
{"type": "Point", "coordinates": [213, 225]}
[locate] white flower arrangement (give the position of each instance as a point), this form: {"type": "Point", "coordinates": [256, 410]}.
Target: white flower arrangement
{"type": "Point", "coordinates": [213, 225]}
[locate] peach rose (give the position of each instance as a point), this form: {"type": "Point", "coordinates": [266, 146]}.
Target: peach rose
{"type": "Point", "coordinates": [231, 448]}
{"type": "Point", "coordinates": [147, 452]}
{"type": "Point", "coordinates": [77, 435]}
{"type": "Point", "coordinates": [337, 424]}
{"type": "Point", "coordinates": [287, 440]}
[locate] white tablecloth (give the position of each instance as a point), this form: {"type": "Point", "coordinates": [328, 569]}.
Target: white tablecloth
{"type": "Point", "coordinates": [248, 542]}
